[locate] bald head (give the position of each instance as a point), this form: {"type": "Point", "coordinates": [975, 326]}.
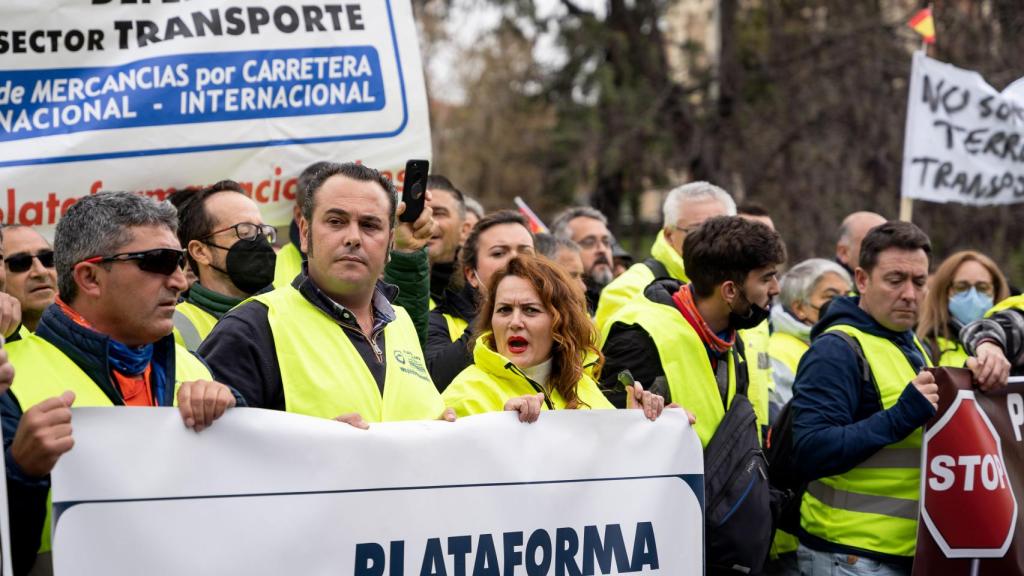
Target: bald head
{"type": "Point", "coordinates": [852, 231]}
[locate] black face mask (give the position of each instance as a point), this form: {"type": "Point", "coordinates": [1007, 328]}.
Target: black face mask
{"type": "Point", "coordinates": [250, 264]}
{"type": "Point", "coordinates": [754, 316]}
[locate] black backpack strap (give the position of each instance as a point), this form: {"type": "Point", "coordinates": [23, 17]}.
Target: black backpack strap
{"type": "Point", "coordinates": [742, 372]}
{"type": "Point", "coordinates": [866, 377]}
{"type": "Point", "coordinates": [657, 267]}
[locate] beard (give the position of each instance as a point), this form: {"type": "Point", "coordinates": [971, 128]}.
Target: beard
{"type": "Point", "coordinates": [601, 275]}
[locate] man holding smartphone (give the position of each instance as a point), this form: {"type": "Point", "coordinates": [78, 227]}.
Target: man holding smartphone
{"type": "Point", "coordinates": [407, 267]}
{"type": "Point", "coordinates": [332, 344]}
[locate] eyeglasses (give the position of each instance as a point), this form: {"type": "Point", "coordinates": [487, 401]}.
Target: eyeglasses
{"type": "Point", "coordinates": [249, 231]}
{"type": "Point", "coordinates": [591, 242]}
{"type": "Point", "coordinates": [981, 287]}
{"type": "Point", "coordinates": [164, 261]}
{"type": "Point", "coordinates": [22, 261]}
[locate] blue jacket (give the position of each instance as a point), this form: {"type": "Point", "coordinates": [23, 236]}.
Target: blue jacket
{"type": "Point", "coordinates": [838, 421]}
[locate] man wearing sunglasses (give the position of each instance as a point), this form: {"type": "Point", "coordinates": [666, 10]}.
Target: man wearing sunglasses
{"type": "Point", "coordinates": [331, 344]}
{"type": "Point", "coordinates": [31, 276]}
{"type": "Point", "coordinates": [106, 341]}
{"type": "Point", "coordinates": [229, 249]}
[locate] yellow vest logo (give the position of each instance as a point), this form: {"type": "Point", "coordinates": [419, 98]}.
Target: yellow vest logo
{"type": "Point", "coordinates": [411, 363]}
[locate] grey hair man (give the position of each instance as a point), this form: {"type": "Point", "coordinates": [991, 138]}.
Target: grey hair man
{"type": "Point", "coordinates": [588, 228]}
{"type": "Point", "coordinates": [685, 208]}
{"type": "Point", "coordinates": [106, 341]}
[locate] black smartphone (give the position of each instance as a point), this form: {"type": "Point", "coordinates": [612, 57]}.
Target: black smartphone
{"type": "Point", "coordinates": [414, 189]}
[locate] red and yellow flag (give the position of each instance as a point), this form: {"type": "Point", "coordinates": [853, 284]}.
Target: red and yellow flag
{"type": "Point", "coordinates": [924, 24]}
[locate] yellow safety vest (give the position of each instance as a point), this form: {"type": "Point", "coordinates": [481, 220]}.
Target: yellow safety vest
{"type": "Point", "coordinates": [288, 266]}
{"type": "Point", "coordinates": [192, 325]}
{"type": "Point", "coordinates": [632, 282]}
{"type": "Point", "coordinates": [787, 350]}
{"type": "Point", "coordinates": [456, 326]}
{"type": "Point", "coordinates": [1006, 304]}
{"type": "Point", "coordinates": [323, 374]}
{"type": "Point", "coordinates": [951, 353]}
{"type": "Point", "coordinates": [492, 380]}
{"type": "Point", "coordinates": [874, 506]}
{"type": "Point", "coordinates": [44, 372]}
{"type": "Point", "coordinates": [759, 369]}
{"type": "Point", "coordinates": [684, 359]}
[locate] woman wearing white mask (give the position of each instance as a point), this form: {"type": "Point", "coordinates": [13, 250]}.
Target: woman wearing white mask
{"type": "Point", "coordinates": [965, 286]}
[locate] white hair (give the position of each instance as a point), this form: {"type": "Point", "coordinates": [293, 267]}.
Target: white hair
{"type": "Point", "coordinates": [694, 191]}
{"type": "Point", "coordinates": [798, 283]}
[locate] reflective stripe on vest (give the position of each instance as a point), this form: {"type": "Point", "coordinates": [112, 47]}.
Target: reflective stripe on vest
{"type": "Point", "coordinates": [287, 266]}
{"type": "Point", "coordinates": [874, 506]}
{"type": "Point", "coordinates": [456, 326]}
{"type": "Point", "coordinates": [323, 374]}
{"type": "Point", "coordinates": [192, 325]}
{"type": "Point", "coordinates": [43, 372]}
{"type": "Point", "coordinates": [684, 359]}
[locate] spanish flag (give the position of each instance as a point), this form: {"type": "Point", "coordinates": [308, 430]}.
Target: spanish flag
{"type": "Point", "coordinates": [536, 224]}
{"type": "Point", "coordinates": [924, 24]}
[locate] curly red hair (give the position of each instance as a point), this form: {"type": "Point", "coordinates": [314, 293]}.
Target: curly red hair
{"type": "Point", "coordinates": [573, 333]}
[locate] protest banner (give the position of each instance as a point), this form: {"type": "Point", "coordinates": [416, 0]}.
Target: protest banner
{"type": "Point", "coordinates": [972, 474]}
{"type": "Point", "coordinates": [964, 139]}
{"type": "Point", "coordinates": [102, 95]}
{"type": "Point", "coordinates": [261, 493]}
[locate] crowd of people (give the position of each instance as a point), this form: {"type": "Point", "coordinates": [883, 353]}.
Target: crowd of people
{"type": "Point", "coordinates": [363, 318]}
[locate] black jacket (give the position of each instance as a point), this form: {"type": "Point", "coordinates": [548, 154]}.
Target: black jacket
{"type": "Point", "coordinates": [446, 359]}
{"type": "Point", "coordinates": [632, 348]}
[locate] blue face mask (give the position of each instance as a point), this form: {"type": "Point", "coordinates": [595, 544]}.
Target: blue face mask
{"type": "Point", "coordinates": [969, 306]}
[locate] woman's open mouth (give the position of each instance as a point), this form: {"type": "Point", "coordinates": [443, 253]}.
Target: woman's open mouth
{"type": "Point", "coordinates": [517, 344]}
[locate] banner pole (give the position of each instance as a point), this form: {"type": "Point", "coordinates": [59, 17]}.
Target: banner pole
{"type": "Point", "coordinates": [907, 204]}
{"type": "Point", "coordinates": [906, 209]}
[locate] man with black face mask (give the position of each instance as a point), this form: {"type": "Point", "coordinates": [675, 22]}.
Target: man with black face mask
{"type": "Point", "coordinates": [686, 333]}
{"type": "Point", "coordinates": [230, 250]}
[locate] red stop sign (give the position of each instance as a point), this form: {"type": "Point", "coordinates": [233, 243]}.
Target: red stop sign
{"type": "Point", "coordinates": [967, 501]}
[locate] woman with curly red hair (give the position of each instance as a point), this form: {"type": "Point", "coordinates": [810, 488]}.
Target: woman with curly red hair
{"type": "Point", "coordinates": [534, 345]}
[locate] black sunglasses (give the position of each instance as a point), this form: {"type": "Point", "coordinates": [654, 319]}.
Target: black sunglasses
{"type": "Point", "coordinates": [22, 261]}
{"type": "Point", "coordinates": [158, 261]}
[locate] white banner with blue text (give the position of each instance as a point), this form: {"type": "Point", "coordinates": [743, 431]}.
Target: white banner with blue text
{"type": "Point", "coordinates": [100, 95]}
{"type": "Point", "coordinates": [270, 493]}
